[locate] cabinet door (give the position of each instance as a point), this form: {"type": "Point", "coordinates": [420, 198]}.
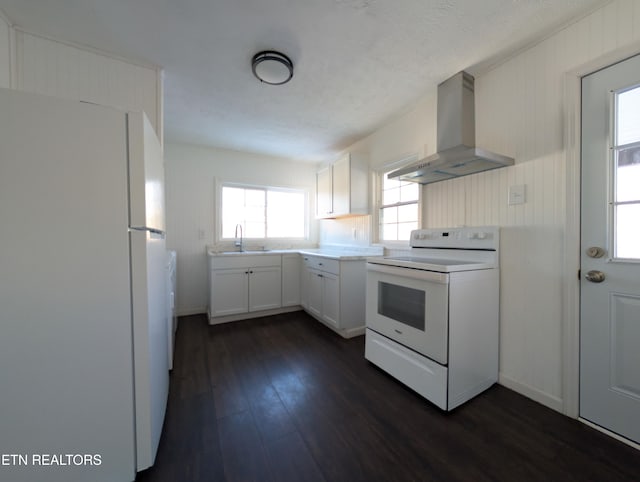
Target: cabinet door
{"type": "Point", "coordinates": [331, 299]}
{"type": "Point", "coordinates": [229, 291]}
{"type": "Point", "coordinates": [314, 294]}
{"type": "Point", "coordinates": [305, 280]}
{"type": "Point", "coordinates": [342, 186]}
{"type": "Point", "coordinates": [265, 288]}
{"type": "Point", "coordinates": [290, 279]}
{"type": "Point", "coordinates": [324, 193]}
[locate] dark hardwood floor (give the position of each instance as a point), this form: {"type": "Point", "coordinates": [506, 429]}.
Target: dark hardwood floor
{"type": "Point", "coordinates": [283, 398]}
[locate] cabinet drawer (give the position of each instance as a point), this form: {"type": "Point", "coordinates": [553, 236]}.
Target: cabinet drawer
{"type": "Point", "coordinates": [323, 264]}
{"type": "Point", "coordinates": [245, 261]}
{"type": "Point", "coordinates": [419, 373]}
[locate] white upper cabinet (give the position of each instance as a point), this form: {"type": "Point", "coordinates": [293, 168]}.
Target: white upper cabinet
{"type": "Point", "coordinates": [324, 192]}
{"type": "Point", "coordinates": [342, 188]}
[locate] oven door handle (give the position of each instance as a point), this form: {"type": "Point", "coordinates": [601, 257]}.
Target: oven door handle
{"type": "Point", "coordinates": [419, 274]}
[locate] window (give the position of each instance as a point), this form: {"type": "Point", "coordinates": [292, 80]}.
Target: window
{"type": "Point", "coordinates": [263, 212]}
{"type": "Point", "coordinates": [399, 211]}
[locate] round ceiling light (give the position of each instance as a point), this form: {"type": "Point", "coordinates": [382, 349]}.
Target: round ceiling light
{"type": "Point", "coordinates": [272, 67]}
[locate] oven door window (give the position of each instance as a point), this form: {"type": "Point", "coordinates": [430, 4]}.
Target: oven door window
{"type": "Point", "coordinates": [403, 304]}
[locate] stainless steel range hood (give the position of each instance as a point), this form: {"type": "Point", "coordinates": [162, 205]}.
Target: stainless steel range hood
{"type": "Point", "coordinates": [457, 154]}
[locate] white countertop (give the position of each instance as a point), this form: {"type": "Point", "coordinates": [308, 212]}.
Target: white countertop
{"type": "Point", "coordinates": [343, 253]}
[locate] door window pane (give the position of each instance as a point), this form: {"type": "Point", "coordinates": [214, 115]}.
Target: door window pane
{"type": "Point", "coordinates": [626, 172]}
{"type": "Point", "coordinates": [628, 117]}
{"type": "Point", "coordinates": [627, 231]}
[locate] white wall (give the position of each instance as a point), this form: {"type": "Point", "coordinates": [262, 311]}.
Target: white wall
{"type": "Point", "coordinates": [191, 175]}
{"type": "Point", "coordinates": [520, 111]}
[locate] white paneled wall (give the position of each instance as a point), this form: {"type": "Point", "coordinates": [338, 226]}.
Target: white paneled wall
{"type": "Point", "coordinates": [5, 53]}
{"type": "Point", "coordinates": [353, 231]}
{"type": "Point", "coordinates": [191, 176]}
{"type": "Point", "coordinates": [521, 111]}
{"type": "Point", "coordinates": [59, 69]}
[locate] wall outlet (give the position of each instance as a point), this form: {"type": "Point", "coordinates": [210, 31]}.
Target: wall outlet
{"type": "Point", "coordinates": [201, 233]}
{"type": "Point", "coordinates": [517, 194]}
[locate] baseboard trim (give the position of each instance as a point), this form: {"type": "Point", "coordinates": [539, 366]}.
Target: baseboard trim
{"type": "Point", "coordinates": [614, 435]}
{"type": "Point", "coordinates": [534, 394]}
{"type": "Point", "coordinates": [193, 311]}
{"type": "Point", "coordinates": [255, 314]}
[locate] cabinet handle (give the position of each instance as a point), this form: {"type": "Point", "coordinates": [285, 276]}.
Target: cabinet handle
{"type": "Point", "coordinates": [246, 272]}
{"type": "Point", "coordinates": [320, 276]}
{"type": "Point", "coordinates": [319, 264]}
{"type": "Point", "coordinates": [250, 272]}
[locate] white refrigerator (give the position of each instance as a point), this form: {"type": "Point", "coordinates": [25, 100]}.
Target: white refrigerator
{"type": "Point", "coordinates": [83, 331]}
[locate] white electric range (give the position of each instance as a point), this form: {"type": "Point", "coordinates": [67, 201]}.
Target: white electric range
{"type": "Point", "coordinates": [432, 313]}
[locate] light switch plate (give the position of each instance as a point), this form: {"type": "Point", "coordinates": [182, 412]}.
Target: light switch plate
{"type": "Point", "coordinates": [517, 194]}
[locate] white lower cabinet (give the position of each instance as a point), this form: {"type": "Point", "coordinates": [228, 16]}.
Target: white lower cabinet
{"type": "Point", "coordinates": [249, 285]}
{"type": "Point", "coordinates": [291, 279]}
{"type": "Point", "coordinates": [229, 292]}
{"type": "Point", "coordinates": [244, 284]}
{"type": "Point", "coordinates": [265, 291]}
{"type": "Point", "coordinates": [333, 292]}
{"type": "Point", "coordinates": [324, 296]}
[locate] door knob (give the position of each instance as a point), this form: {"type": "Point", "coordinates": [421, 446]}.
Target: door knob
{"type": "Point", "coordinates": [595, 276]}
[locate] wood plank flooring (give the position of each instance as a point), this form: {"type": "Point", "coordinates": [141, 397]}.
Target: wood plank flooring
{"type": "Point", "coordinates": [283, 398]}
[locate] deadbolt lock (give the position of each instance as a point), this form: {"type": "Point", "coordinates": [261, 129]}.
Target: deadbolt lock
{"type": "Point", "coordinates": [595, 252]}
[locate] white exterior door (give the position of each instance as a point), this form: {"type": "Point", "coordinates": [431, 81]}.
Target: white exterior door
{"type": "Point", "coordinates": [610, 250]}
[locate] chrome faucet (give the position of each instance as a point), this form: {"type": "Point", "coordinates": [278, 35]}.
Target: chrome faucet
{"type": "Point", "coordinates": [238, 242]}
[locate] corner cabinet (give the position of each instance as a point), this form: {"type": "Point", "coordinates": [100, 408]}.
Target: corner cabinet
{"type": "Point", "coordinates": [342, 188]}
{"type": "Point", "coordinates": [333, 292]}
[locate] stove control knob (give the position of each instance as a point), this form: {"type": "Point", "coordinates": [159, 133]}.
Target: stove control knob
{"type": "Point", "coordinates": [482, 235]}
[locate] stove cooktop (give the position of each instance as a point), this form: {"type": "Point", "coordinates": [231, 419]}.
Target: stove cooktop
{"type": "Point", "coordinates": [440, 265]}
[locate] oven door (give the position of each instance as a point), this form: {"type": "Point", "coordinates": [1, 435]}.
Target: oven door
{"type": "Point", "coordinates": [410, 306]}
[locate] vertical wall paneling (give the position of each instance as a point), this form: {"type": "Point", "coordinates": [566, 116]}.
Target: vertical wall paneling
{"type": "Point", "coordinates": [64, 70]}
{"type": "Point", "coordinates": [521, 110]}
{"type": "Point", "coordinates": [5, 52]}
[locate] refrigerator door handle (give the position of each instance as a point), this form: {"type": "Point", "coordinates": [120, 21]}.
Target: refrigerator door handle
{"type": "Point", "coordinates": [156, 233]}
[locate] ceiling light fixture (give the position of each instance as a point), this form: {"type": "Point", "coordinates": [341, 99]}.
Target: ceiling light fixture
{"type": "Point", "coordinates": [272, 67]}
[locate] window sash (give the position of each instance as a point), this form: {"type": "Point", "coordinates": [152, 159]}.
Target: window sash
{"type": "Point", "coordinates": [390, 232]}
{"type": "Point", "coordinates": [259, 218]}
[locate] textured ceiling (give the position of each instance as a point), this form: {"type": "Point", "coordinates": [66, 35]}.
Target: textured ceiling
{"type": "Point", "coordinates": [358, 63]}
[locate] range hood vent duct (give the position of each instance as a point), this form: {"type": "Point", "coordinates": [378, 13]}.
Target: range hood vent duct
{"type": "Point", "coordinates": [457, 154]}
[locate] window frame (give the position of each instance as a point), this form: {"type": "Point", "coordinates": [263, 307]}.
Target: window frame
{"type": "Point", "coordinates": [379, 174]}
{"type": "Point", "coordinates": [220, 184]}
